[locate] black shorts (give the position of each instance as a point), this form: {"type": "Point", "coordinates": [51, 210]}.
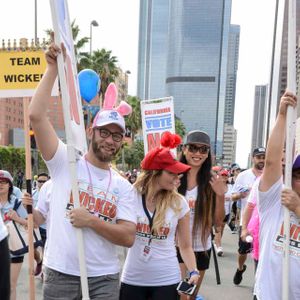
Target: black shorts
{"type": "Point", "coordinates": [134, 292]}
{"type": "Point", "coordinates": [43, 233]}
{"type": "Point", "coordinates": [226, 219]}
{"type": "Point", "coordinates": [17, 259]}
{"type": "Point", "coordinates": [202, 259]}
{"type": "Point", "coordinates": [244, 247]}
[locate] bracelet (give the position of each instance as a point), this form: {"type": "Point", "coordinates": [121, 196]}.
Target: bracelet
{"type": "Point", "coordinates": [194, 272]}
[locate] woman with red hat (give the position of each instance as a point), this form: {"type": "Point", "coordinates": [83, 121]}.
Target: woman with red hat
{"type": "Point", "coordinates": [11, 209]}
{"type": "Point", "coordinates": [151, 269]}
{"type": "Point", "coordinates": [204, 192]}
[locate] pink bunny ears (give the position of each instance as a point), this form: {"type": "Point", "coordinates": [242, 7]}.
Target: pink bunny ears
{"type": "Point", "coordinates": [110, 99]}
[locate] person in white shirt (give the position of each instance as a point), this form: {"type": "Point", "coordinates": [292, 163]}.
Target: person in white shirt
{"type": "Point", "coordinates": [106, 216]}
{"type": "Point", "coordinates": [272, 198]}
{"type": "Point", "coordinates": [151, 269]}
{"type": "Point", "coordinates": [227, 207]}
{"type": "Point", "coordinates": [11, 209]}
{"type": "Point", "coordinates": [41, 179]}
{"type": "Point", "coordinates": [204, 191]}
{"type": "Point", "coordinates": [4, 262]}
{"type": "Point", "coordinates": [241, 190]}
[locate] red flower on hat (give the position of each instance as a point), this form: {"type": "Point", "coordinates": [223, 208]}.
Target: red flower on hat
{"type": "Point", "coordinates": [162, 158]}
{"type": "Point", "coordinates": [169, 140]}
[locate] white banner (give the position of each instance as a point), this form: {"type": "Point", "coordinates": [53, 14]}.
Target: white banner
{"type": "Point", "coordinates": [157, 117]}
{"type": "Point", "coordinates": [68, 75]}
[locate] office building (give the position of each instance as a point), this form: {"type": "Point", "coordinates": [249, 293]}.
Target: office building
{"type": "Point", "coordinates": [259, 116]}
{"type": "Point", "coordinates": [183, 53]}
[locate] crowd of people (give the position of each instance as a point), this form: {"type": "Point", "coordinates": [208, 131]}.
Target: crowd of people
{"type": "Point", "coordinates": [171, 213]}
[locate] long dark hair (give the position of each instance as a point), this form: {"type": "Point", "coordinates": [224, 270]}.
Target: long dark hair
{"type": "Point", "coordinates": [206, 199]}
{"type": "Point", "coordinates": [10, 192]}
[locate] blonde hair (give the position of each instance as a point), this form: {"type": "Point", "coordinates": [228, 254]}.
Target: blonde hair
{"type": "Point", "coordinates": [164, 199]}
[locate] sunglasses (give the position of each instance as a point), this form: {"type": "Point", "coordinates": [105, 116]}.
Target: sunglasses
{"type": "Point", "coordinates": [105, 133]}
{"type": "Point", "coordinates": [3, 182]}
{"type": "Point", "coordinates": [194, 149]}
{"type": "Point", "coordinates": [42, 181]}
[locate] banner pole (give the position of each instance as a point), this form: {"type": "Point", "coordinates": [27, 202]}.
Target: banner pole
{"type": "Point", "coordinates": [29, 207]}
{"type": "Point", "coordinates": [290, 137]}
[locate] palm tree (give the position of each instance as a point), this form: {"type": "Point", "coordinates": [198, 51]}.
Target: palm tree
{"type": "Point", "coordinates": [179, 127]}
{"type": "Point", "coordinates": [78, 44]}
{"type": "Point", "coordinates": [134, 120]}
{"type": "Point", "coordinates": [102, 62]}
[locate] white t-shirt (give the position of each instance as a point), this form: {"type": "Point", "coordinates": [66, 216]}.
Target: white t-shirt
{"type": "Point", "coordinates": [43, 201]}
{"type": "Point", "coordinates": [191, 198]}
{"type": "Point", "coordinates": [3, 230]}
{"type": "Point", "coordinates": [227, 202]}
{"type": "Point", "coordinates": [35, 198]}
{"type": "Point", "coordinates": [244, 180]}
{"type": "Point", "coordinates": [268, 283]}
{"type": "Point", "coordinates": [162, 267]}
{"type": "Point", "coordinates": [112, 200]}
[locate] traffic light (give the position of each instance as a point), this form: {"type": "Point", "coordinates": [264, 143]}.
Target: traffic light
{"type": "Point", "coordinates": [32, 139]}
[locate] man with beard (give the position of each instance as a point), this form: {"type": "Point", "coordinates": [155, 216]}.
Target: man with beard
{"type": "Point", "coordinates": [107, 207]}
{"type": "Point", "coordinates": [241, 190]}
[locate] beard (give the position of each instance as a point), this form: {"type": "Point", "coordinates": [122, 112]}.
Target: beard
{"type": "Point", "coordinates": [259, 166]}
{"type": "Point", "coordinates": [100, 154]}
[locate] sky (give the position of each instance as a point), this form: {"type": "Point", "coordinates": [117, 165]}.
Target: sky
{"type": "Point", "coordinates": [118, 31]}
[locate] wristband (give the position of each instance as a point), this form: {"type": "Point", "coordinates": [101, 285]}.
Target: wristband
{"type": "Point", "coordinates": [194, 272]}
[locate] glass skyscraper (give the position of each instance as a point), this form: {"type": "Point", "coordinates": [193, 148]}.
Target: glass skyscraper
{"type": "Point", "coordinates": [183, 53]}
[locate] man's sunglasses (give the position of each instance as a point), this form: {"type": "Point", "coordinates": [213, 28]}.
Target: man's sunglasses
{"type": "Point", "coordinates": [41, 181]}
{"type": "Point", "coordinates": [194, 149]}
{"type": "Point", "coordinates": [105, 133]}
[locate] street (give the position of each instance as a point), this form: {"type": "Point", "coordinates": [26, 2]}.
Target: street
{"type": "Point", "coordinates": [209, 290]}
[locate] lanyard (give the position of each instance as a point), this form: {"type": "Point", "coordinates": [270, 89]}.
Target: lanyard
{"type": "Point", "coordinates": [90, 187]}
{"type": "Point", "coordinates": [150, 219]}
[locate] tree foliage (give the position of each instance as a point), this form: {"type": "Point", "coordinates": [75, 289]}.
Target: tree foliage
{"type": "Point", "coordinates": [134, 120]}
{"type": "Point", "coordinates": [13, 159]}
{"type": "Point", "coordinates": [104, 63]}
{"type": "Point", "coordinates": [133, 155]}
{"type": "Point", "coordinates": [179, 127]}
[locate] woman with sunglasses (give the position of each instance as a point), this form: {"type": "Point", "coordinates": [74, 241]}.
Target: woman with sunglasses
{"type": "Point", "coordinates": [11, 209]}
{"type": "Point", "coordinates": [151, 268]}
{"type": "Point", "coordinates": [204, 192]}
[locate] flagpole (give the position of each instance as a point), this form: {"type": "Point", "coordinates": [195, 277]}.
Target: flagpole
{"type": "Point", "coordinates": [70, 150]}
{"type": "Point", "coordinates": [29, 207]}
{"type": "Point", "coordinates": [290, 137]}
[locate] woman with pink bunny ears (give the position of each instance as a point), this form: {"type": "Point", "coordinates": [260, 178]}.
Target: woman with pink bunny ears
{"type": "Point", "coordinates": [107, 212]}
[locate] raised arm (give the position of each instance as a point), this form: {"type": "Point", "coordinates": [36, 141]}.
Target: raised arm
{"type": "Point", "coordinates": [44, 132]}
{"type": "Point", "coordinates": [273, 165]}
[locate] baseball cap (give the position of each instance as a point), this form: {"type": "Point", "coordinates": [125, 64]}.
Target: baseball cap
{"type": "Point", "coordinates": [6, 175]}
{"type": "Point", "coordinates": [296, 164]}
{"type": "Point", "coordinates": [163, 159]}
{"type": "Point", "coordinates": [197, 137]}
{"type": "Point", "coordinates": [109, 116]}
{"type": "Point", "coordinates": [258, 151]}
{"type": "Point", "coordinates": [235, 166]}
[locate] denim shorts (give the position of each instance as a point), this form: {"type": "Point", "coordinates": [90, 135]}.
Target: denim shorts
{"type": "Point", "coordinates": [62, 286]}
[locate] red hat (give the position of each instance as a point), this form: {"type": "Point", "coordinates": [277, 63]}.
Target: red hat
{"type": "Point", "coordinates": [163, 158]}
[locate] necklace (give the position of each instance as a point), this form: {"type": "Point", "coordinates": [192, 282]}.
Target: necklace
{"type": "Point", "coordinates": [90, 187]}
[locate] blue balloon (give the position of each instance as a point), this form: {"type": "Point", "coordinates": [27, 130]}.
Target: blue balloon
{"type": "Point", "coordinates": [89, 84]}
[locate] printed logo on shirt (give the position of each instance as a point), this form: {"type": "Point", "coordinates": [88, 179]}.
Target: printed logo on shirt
{"type": "Point", "coordinates": [143, 230]}
{"type": "Point", "coordinates": [192, 202]}
{"type": "Point", "coordinates": [294, 237]}
{"type": "Point", "coordinates": [101, 204]}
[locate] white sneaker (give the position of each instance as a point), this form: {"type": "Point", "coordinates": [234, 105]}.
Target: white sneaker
{"type": "Point", "coordinates": [220, 251]}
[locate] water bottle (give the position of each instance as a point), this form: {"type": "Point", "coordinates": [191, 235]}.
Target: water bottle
{"type": "Point", "coordinates": [249, 239]}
